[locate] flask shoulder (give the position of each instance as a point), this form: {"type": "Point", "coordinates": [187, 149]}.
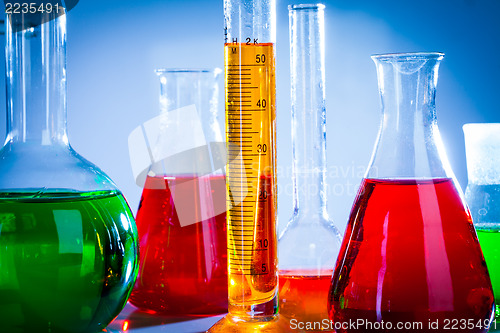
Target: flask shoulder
{"type": "Point", "coordinates": [309, 244]}
{"type": "Point", "coordinates": [26, 166]}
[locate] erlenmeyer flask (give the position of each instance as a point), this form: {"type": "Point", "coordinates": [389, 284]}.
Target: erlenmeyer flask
{"type": "Point", "coordinates": [410, 258]}
{"type": "Point", "coordinates": [482, 144]}
{"type": "Point", "coordinates": [182, 214]}
{"type": "Point", "coordinates": [68, 241]}
{"type": "Point", "coordinates": [310, 242]}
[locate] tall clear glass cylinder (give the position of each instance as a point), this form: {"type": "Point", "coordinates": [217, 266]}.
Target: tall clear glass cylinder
{"type": "Point", "coordinates": [250, 134]}
{"type": "Point", "coordinates": [482, 146]}
{"type": "Point", "coordinates": [309, 245]}
{"type": "Point", "coordinates": [250, 33]}
{"type": "Point", "coordinates": [68, 241]}
{"type": "Point", "coordinates": [182, 213]}
{"type": "Point", "coordinates": [410, 255]}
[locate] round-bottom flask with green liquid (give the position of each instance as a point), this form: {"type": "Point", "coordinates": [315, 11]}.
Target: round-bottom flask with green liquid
{"type": "Point", "coordinates": [68, 240]}
{"type": "Point", "coordinates": [68, 260]}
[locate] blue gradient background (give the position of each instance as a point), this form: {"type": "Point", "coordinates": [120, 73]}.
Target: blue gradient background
{"type": "Point", "coordinates": [114, 46]}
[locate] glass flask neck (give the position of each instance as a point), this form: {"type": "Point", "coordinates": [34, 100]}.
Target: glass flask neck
{"type": "Point", "coordinates": [409, 144]}
{"type": "Point", "coordinates": [36, 83]}
{"type": "Point", "coordinates": [37, 157]}
{"type": "Point", "coordinates": [308, 110]}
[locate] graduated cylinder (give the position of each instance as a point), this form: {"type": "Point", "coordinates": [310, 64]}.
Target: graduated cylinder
{"type": "Point", "coordinates": [250, 174]}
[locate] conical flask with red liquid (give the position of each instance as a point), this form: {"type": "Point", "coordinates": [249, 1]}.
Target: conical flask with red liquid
{"type": "Point", "coordinates": [181, 218]}
{"type": "Point", "coordinates": [410, 259]}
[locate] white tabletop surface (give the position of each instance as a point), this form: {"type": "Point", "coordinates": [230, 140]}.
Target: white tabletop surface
{"type": "Point", "coordinates": [131, 320]}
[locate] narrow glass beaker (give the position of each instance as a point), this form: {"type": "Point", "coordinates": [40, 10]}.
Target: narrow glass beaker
{"type": "Point", "coordinates": [182, 215]}
{"type": "Point", "coordinates": [249, 54]}
{"type": "Point", "coordinates": [309, 245]}
{"type": "Point", "coordinates": [410, 255]}
{"type": "Point", "coordinates": [68, 241]}
{"type": "Point", "coordinates": [482, 146]}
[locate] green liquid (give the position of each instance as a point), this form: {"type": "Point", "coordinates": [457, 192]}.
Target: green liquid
{"type": "Point", "coordinates": [489, 239]}
{"type": "Point", "coordinates": [68, 261]}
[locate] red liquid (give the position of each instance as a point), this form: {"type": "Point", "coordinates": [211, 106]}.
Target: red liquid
{"type": "Point", "coordinates": [183, 269]}
{"type": "Point", "coordinates": [411, 255]}
{"type": "Point", "coordinates": [303, 296]}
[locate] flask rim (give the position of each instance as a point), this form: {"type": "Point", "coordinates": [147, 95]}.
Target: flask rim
{"type": "Point", "coordinates": [313, 6]}
{"type": "Point", "coordinates": [479, 126]}
{"type": "Point", "coordinates": [161, 71]}
{"type": "Point", "coordinates": [476, 132]}
{"type": "Point", "coordinates": [405, 56]}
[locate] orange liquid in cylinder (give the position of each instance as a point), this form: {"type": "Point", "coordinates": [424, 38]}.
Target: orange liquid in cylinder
{"type": "Point", "coordinates": [252, 251]}
{"type": "Point", "coordinates": [250, 134]}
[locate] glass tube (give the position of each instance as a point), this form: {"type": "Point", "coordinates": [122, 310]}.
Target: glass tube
{"type": "Point", "coordinates": [250, 173]}
{"type": "Point", "coordinates": [250, 93]}
{"type": "Point", "coordinates": [310, 243]}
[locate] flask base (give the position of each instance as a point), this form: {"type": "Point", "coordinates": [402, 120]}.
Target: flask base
{"type": "Point", "coordinates": [232, 324]}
